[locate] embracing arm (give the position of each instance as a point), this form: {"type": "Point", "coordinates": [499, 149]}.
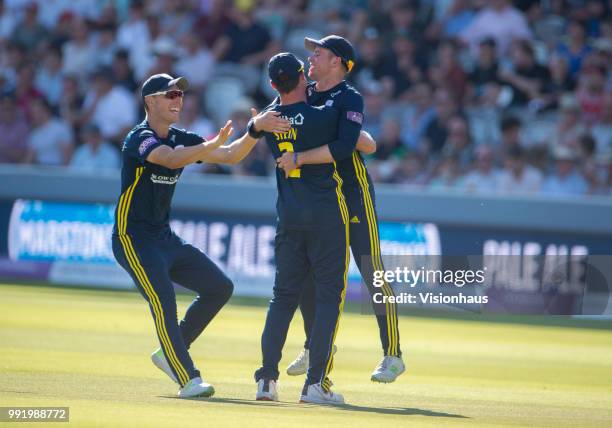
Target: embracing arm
{"type": "Point", "coordinates": [323, 154]}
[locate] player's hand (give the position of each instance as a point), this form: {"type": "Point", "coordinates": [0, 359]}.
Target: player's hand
{"type": "Point", "coordinates": [224, 133]}
{"type": "Point", "coordinates": [286, 163]}
{"type": "Point", "coordinates": [270, 121]}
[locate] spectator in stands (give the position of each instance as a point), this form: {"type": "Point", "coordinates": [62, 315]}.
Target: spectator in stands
{"type": "Point", "coordinates": [11, 58]}
{"type": "Point", "coordinates": [484, 179]}
{"type": "Point", "coordinates": [109, 106]}
{"type": "Point", "coordinates": [549, 21]}
{"type": "Point", "coordinates": [418, 115]}
{"type": "Point", "coordinates": [409, 172]}
{"type": "Point", "coordinates": [560, 82]}
{"type": "Point", "coordinates": [569, 126]}
{"type": "Point", "coordinates": [79, 54]}
{"type": "Point", "coordinates": [526, 78]}
{"type": "Point", "coordinates": [165, 55]}
{"type": "Point", "coordinates": [142, 54]}
{"type": "Point", "coordinates": [94, 154]}
{"type": "Point", "coordinates": [50, 77]}
{"type": "Point", "coordinates": [458, 143]}
{"type": "Point", "coordinates": [374, 62]}
{"type": "Point", "coordinates": [485, 73]}
{"type": "Point", "coordinates": [71, 103]}
{"type": "Point", "coordinates": [591, 92]}
{"type": "Point", "coordinates": [459, 17]}
{"type": "Point", "coordinates": [13, 130]}
{"type": "Point", "coordinates": [122, 72]}
{"type": "Point", "coordinates": [517, 177]}
{"type": "Point", "coordinates": [375, 100]}
{"type": "Point", "coordinates": [51, 140]}
{"type": "Point", "coordinates": [606, 161]}
{"type": "Point", "coordinates": [500, 21]}
{"type": "Point", "coordinates": [106, 45]}
{"type": "Point", "coordinates": [177, 18]}
{"type": "Point", "coordinates": [588, 164]}
{"type": "Point", "coordinates": [575, 49]}
{"type": "Point", "coordinates": [602, 131]}
{"type": "Point", "coordinates": [212, 23]}
{"type": "Point", "coordinates": [390, 150]}
{"type": "Point", "coordinates": [62, 32]}
{"type": "Point", "coordinates": [25, 91]}
{"type": "Point", "coordinates": [447, 175]}
{"type": "Point", "coordinates": [135, 28]}
{"type": "Point", "coordinates": [404, 19]}
{"type": "Point", "coordinates": [566, 179]}
{"type": "Point", "coordinates": [437, 130]}
{"type": "Point", "coordinates": [8, 22]}
{"type": "Point", "coordinates": [407, 71]}
{"type": "Point", "coordinates": [245, 46]}
{"type": "Point", "coordinates": [29, 33]}
{"type": "Point", "coordinates": [451, 72]}
{"type": "Point", "coordinates": [198, 63]}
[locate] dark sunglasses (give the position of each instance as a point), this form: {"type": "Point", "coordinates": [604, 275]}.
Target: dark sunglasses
{"type": "Point", "coordinates": [172, 94]}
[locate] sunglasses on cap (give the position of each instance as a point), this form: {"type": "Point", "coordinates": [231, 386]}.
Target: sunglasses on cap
{"type": "Point", "coordinates": [171, 94]}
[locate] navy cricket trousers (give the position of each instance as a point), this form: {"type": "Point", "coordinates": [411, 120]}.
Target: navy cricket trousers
{"type": "Point", "coordinates": [156, 261]}
{"type": "Point", "coordinates": [299, 253]}
{"type": "Point", "coordinates": [365, 246]}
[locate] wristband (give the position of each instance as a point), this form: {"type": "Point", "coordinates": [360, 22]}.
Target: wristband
{"type": "Point", "coordinates": [295, 160]}
{"type": "Point", "coordinates": [251, 130]}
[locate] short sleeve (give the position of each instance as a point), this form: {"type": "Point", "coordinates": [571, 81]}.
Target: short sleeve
{"type": "Point", "coordinates": [189, 139]}
{"type": "Point", "coordinates": [350, 122]}
{"type": "Point", "coordinates": [141, 144]}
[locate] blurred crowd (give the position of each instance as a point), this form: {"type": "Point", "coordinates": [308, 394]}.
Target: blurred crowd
{"type": "Point", "coordinates": [481, 96]}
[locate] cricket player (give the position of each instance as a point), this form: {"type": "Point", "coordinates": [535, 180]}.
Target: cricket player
{"type": "Point", "coordinates": [153, 156]}
{"type": "Point", "coordinates": [332, 58]}
{"type": "Point", "coordinates": [312, 236]}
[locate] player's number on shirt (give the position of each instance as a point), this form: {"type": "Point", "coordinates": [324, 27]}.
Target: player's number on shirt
{"type": "Point", "coordinates": [287, 146]}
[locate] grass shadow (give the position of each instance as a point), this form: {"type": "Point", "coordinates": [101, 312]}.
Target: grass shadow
{"type": "Point", "coordinates": [405, 411]}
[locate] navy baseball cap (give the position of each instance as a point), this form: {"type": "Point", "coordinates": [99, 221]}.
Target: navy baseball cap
{"type": "Point", "coordinates": [161, 83]}
{"type": "Point", "coordinates": [284, 66]}
{"type": "Point", "coordinates": [338, 45]}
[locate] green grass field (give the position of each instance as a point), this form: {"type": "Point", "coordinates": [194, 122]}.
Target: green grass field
{"type": "Point", "coordinates": [89, 350]}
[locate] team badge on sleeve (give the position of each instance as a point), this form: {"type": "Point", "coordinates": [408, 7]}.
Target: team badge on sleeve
{"type": "Point", "coordinates": [355, 116]}
{"type": "Point", "coordinates": [146, 144]}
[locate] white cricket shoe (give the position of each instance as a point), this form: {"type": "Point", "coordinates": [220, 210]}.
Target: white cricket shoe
{"type": "Point", "coordinates": [316, 394]}
{"type": "Point", "coordinates": [299, 366]}
{"type": "Point", "coordinates": [267, 390]}
{"type": "Point", "coordinates": [388, 370]}
{"type": "Point", "coordinates": [196, 387]}
{"type": "Point", "coordinates": [159, 359]}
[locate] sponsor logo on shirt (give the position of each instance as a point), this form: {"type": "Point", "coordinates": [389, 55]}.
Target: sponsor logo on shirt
{"type": "Point", "coordinates": [329, 103]}
{"type": "Point", "coordinates": [164, 179]}
{"type": "Point", "coordinates": [333, 94]}
{"type": "Point", "coordinates": [146, 144]}
{"type": "Point", "coordinates": [355, 116]}
{"type": "Point", "coordinates": [298, 119]}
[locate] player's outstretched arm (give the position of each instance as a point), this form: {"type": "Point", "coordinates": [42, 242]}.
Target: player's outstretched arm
{"type": "Point", "coordinates": [290, 161]}
{"type": "Point", "coordinates": [182, 156]}
{"type": "Point", "coordinates": [269, 121]}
